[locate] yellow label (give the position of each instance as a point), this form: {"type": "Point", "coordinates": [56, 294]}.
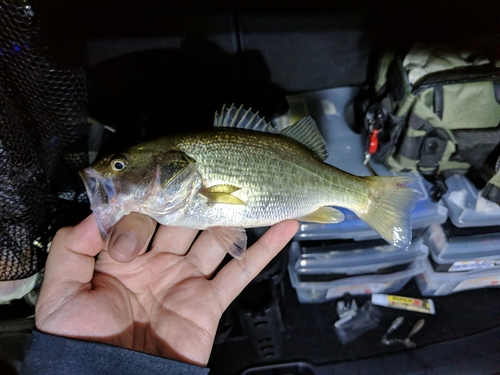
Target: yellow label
{"type": "Point", "coordinates": [409, 303]}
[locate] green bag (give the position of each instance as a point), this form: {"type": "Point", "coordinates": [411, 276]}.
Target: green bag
{"type": "Point", "coordinates": [437, 111]}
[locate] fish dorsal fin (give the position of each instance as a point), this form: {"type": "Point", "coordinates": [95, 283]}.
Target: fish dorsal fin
{"type": "Point", "coordinates": [306, 132]}
{"type": "Point", "coordinates": [241, 118]}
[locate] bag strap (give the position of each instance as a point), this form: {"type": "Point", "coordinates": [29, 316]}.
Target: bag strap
{"type": "Point", "coordinates": [431, 153]}
{"type": "Point", "coordinates": [496, 89]}
{"type": "Point", "coordinates": [492, 189]}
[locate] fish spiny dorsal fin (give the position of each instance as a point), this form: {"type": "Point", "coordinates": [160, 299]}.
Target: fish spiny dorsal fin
{"type": "Point", "coordinates": [241, 118]}
{"type": "Point", "coordinates": [306, 132]}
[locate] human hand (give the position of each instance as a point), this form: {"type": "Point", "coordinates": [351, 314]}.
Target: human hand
{"type": "Point", "coordinates": [163, 301]}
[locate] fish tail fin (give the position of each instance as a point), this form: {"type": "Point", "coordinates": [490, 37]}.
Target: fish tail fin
{"type": "Point", "coordinates": [390, 203]}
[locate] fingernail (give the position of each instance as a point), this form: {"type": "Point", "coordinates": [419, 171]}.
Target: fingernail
{"type": "Point", "coordinates": [125, 246]}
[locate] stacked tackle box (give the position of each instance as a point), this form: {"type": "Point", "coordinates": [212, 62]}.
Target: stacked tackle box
{"type": "Point", "coordinates": [464, 252]}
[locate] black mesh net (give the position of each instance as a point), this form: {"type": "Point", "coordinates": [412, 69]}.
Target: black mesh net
{"type": "Point", "coordinates": [43, 125]}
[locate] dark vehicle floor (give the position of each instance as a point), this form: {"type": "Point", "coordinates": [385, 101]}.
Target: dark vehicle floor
{"type": "Point", "coordinates": [463, 337]}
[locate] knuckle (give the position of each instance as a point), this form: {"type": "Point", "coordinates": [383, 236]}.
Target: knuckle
{"type": "Point", "coordinates": [247, 268]}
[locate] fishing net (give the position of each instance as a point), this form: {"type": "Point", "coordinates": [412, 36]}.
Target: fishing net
{"type": "Point", "coordinates": [43, 126]}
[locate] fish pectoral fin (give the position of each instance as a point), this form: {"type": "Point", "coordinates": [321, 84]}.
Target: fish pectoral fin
{"type": "Point", "coordinates": [222, 188]}
{"type": "Point", "coordinates": [222, 194]}
{"type": "Point", "coordinates": [222, 198]}
{"type": "Point", "coordinates": [231, 240]}
{"type": "Point", "coordinates": [324, 215]}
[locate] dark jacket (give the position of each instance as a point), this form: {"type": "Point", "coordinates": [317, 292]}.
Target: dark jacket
{"type": "Point", "coordinates": [50, 354]}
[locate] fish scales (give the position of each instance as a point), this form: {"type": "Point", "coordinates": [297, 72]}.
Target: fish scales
{"type": "Point", "coordinates": [271, 170]}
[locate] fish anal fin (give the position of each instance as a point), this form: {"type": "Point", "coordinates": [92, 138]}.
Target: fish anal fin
{"type": "Point", "coordinates": [231, 240]}
{"type": "Point", "coordinates": [323, 215]}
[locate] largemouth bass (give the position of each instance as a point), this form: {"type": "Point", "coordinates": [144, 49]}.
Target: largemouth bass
{"type": "Point", "coordinates": [242, 174]}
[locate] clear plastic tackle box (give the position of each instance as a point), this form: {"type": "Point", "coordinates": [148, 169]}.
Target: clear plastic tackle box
{"type": "Point", "coordinates": [466, 207]}
{"type": "Point", "coordinates": [328, 271]}
{"type": "Point", "coordinates": [474, 249]}
{"type": "Point", "coordinates": [432, 283]}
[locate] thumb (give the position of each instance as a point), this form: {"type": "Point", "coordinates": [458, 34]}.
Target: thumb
{"type": "Point", "coordinates": [130, 237]}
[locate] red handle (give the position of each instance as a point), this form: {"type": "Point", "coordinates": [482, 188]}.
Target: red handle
{"type": "Point", "coordinates": [373, 142]}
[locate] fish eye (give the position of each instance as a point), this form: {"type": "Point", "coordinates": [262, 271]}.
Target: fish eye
{"type": "Point", "coordinates": [118, 163]}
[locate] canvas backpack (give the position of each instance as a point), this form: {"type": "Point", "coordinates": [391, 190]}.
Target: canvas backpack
{"type": "Point", "coordinates": [436, 110]}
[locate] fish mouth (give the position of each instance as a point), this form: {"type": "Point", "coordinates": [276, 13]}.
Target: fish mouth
{"type": "Point", "coordinates": [103, 199]}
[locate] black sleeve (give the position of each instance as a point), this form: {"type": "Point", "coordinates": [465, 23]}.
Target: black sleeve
{"type": "Point", "coordinates": [50, 354]}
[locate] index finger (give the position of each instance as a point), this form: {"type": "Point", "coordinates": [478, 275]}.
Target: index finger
{"type": "Point", "coordinates": [237, 274]}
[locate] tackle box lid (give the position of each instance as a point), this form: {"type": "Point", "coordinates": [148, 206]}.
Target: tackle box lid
{"type": "Point", "coordinates": [466, 207]}
{"type": "Point", "coordinates": [351, 258]}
